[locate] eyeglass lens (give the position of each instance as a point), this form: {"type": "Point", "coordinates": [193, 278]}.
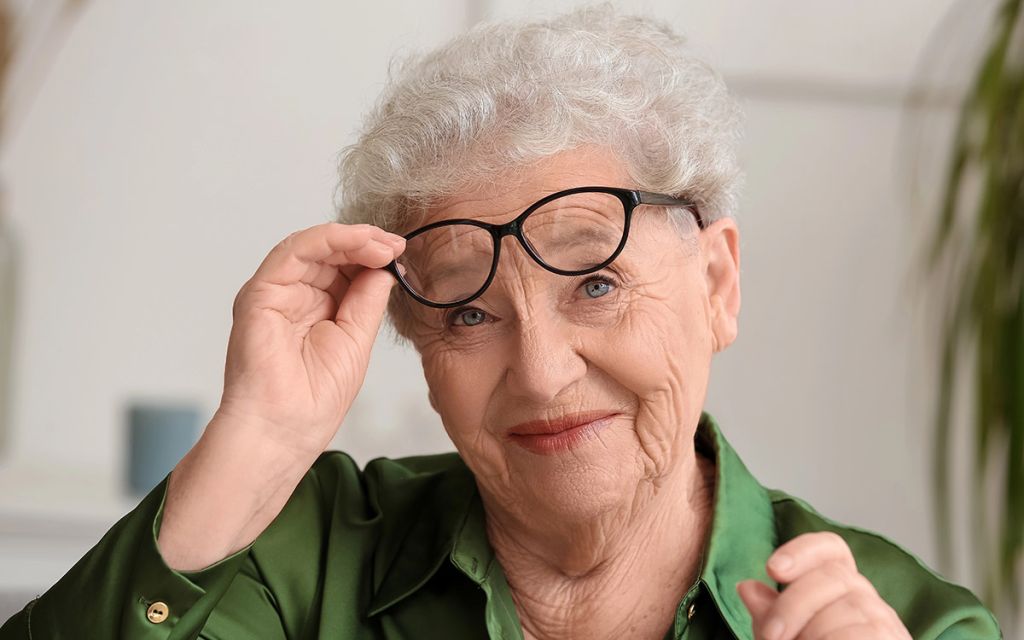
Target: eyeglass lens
{"type": "Point", "coordinates": [574, 232]}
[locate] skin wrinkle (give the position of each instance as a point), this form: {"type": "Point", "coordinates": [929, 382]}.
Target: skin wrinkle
{"type": "Point", "coordinates": [603, 540]}
{"type": "Point", "coordinates": [654, 444]}
{"type": "Point", "coordinates": [607, 577]}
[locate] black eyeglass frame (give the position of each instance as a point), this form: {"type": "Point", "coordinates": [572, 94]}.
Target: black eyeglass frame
{"type": "Point", "coordinates": [630, 198]}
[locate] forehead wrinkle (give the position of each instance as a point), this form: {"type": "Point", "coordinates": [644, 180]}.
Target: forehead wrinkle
{"type": "Point", "coordinates": [524, 186]}
{"type": "Point", "coordinates": [431, 239]}
{"type": "Point", "coordinates": [583, 236]}
{"type": "Point", "coordinates": [469, 207]}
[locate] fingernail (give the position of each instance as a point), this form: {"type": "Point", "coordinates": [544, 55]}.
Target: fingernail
{"type": "Point", "coordinates": [396, 241]}
{"type": "Point", "coordinates": [773, 630]}
{"type": "Point", "coordinates": [781, 562]}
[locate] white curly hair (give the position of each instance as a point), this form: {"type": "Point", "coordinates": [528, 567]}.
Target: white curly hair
{"type": "Point", "coordinates": [503, 95]}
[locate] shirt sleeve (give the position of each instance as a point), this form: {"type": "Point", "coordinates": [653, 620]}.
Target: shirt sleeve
{"type": "Point", "coordinates": [122, 588]}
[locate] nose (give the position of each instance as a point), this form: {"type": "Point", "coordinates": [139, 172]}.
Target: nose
{"type": "Point", "coordinates": [545, 359]}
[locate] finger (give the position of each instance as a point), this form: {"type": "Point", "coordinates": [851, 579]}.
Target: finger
{"type": "Point", "coordinates": [362, 308]}
{"type": "Point", "coordinates": [757, 597]}
{"type": "Point", "coordinates": [330, 242]}
{"type": "Point", "coordinates": [342, 279]}
{"type": "Point", "coordinates": [855, 632]}
{"type": "Point", "coordinates": [320, 276]}
{"type": "Point", "coordinates": [326, 275]}
{"type": "Point", "coordinates": [344, 275]}
{"type": "Point", "coordinates": [852, 610]}
{"type": "Point", "coordinates": [349, 263]}
{"type": "Point", "coordinates": [314, 300]}
{"type": "Point", "coordinates": [373, 254]}
{"type": "Point", "coordinates": [807, 551]}
{"type": "Point", "coordinates": [810, 593]}
{"type": "Point", "coordinates": [879, 613]}
{"type": "Point", "coordinates": [297, 304]}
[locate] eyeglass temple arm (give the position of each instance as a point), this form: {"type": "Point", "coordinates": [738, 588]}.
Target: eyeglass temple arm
{"type": "Point", "coordinates": [646, 197]}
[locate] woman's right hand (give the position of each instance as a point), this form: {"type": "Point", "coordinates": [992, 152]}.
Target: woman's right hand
{"type": "Point", "coordinates": [299, 347]}
{"type": "Point", "coordinates": [303, 328]}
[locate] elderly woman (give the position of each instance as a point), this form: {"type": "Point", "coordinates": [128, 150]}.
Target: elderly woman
{"type": "Point", "coordinates": [554, 202]}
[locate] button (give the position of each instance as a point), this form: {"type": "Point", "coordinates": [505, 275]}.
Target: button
{"type": "Point", "coordinates": [157, 612]}
{"type": "Point", "coordinates": [692, 610]}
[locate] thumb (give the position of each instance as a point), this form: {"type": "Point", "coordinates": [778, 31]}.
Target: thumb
{"type": "Point", "coordinates": [758, 598]}
{"type": "Point", "coordinates": [363, 305]}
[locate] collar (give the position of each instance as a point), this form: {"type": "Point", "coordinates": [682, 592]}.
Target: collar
{"type": "Point", "coordinates": [743, 533]}
{"type": "Point", "coordinates": [449, 523]}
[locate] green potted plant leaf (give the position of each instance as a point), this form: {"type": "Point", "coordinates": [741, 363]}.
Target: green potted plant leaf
{"type": "Point", "coordinates": [975, 258]}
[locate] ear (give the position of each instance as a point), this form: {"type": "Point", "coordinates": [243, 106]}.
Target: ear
{"type": "Point", "coordinates": [720, 244]}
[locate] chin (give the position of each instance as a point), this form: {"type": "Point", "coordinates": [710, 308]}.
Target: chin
{"type": "Point", "coordinates": [578, 485]}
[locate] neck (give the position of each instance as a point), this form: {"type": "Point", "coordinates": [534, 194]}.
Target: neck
{"type": "Point", "coordinates": [621, 574]}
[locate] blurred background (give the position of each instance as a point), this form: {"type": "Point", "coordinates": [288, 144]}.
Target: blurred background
{"type": "Point", "coordinates": [152, 154]}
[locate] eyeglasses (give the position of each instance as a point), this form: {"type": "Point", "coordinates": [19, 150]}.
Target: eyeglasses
{"type": "Point", "coordinates": [571, 233]}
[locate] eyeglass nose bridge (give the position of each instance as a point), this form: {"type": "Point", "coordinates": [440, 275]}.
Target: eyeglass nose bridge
{"type": "Point", "coordinates": [514, 228]}
{"type": "Point", "coordinates": [510, 228]}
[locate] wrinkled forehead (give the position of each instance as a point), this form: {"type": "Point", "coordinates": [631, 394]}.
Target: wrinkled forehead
{"type": "Point", "coordinates": [504, 195]}
{"type": "Point", "coordinates": [538, 201]}
{"type": "Point", "coordinates": [586, 212]}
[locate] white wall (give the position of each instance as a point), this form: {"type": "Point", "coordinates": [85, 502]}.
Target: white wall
{"type": "Point", "coordinates": [171, 147]}
{"type": "Point", "coordinates": [173, 144]}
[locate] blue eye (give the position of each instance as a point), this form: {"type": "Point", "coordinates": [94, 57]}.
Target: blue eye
{"type": "Point", "coordinates": [470, 317]}
{"type": "Point", "coordinates": [597, 287]}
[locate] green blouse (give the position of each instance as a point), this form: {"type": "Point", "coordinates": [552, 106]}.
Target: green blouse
{"type": "Point", "coordinates": [399, 550]}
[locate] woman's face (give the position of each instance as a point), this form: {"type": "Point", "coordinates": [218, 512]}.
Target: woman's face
{"type": "Point", "coordinates": [627, 349]}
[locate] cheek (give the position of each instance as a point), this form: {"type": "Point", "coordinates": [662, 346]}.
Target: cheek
{"type": "Point", "coordinates": [660, 344]}
{"type": "Point", "coordinates": [461, 386]}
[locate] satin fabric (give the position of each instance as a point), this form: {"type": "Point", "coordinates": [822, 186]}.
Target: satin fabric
{"type": "Point", "coordinates": [399, 550]}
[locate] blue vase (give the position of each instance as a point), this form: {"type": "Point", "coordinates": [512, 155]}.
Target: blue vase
{"type": "Point", "coordinates": [159, 435]}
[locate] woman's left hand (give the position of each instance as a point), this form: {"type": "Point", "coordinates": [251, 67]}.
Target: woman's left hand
{"type": "Point", "coordinates": [826, 598]}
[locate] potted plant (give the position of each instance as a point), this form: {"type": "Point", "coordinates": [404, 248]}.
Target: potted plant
{"type": "Point", "coordinates": [975, 261]}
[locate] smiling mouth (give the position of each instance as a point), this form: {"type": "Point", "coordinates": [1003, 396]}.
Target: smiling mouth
{"type": "Point", "coordinates": [552, 436]}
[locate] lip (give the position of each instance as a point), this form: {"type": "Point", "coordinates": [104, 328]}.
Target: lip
{"type": "Point", "coordinates": [552, 436]}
